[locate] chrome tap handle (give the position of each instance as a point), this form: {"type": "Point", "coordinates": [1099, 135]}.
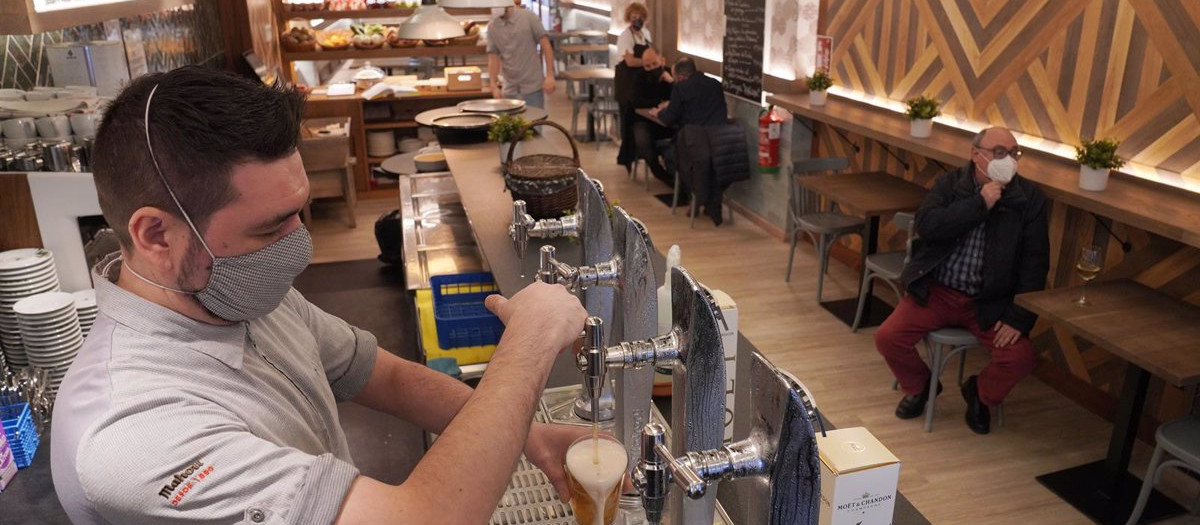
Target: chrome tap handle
{"type": "Point", "coordinates": [652, 476]}
{"type": "Point", "coordinates": [518, 230]}
{"type": "Point", "coordinates": [547, 268]}
{"type": "Point", "coordinates": [591, 361]}
{"type": "Point", "coordinates": [682, 473]}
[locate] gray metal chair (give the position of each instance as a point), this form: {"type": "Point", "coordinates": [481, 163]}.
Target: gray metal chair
{"type": "Point", "coordinates": [824, 227]}
{"type": "Point", "coordinates": [942, 344]}
{"type": "Point", "coordinates": [577, 93]}
{"type": "Point", "coordinates": [886, 266]}
{"type": "Point", "coordinates": [1180, 439]}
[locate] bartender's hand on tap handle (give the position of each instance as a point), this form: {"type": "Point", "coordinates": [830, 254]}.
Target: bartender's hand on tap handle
{"type": "Point", "coordinates": [547, 312]}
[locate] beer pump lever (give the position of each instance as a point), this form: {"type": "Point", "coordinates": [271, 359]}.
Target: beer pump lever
{"type": "Point", "coordinates": [576, 278]}
{"type": "Point", "coordinates": [777, 458]}
{"type": "Point", "coordinates": [524, 227]}
{"type": "Point", "coordinates": [692, 352]}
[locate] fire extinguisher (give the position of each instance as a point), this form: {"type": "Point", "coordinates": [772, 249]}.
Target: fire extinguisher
{"type": "Point", "coordinates": [769, 127]}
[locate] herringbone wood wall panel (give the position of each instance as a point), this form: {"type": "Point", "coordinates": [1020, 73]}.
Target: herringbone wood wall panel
{"type": "Point", "coordinates": [1059, 69]}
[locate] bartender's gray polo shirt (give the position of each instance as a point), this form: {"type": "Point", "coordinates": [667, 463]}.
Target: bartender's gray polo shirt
{"type": "Point", "coordinates": [163, 419]}
{"type": "Point", "coordinates": [515, 40]}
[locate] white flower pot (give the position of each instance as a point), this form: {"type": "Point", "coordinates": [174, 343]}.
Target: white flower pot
{"type": "Point", "coordinates": [817, 98]}
{"type": "Point", "coordinates": [504, 147]}
{"type": "Point", "coordinates": [921, 128]}
{"type": "Point", "coordinates": [1093, 179]}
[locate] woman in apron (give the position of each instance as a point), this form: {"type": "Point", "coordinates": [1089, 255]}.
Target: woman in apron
{"type": "Point", "coordinates": [631, 45]}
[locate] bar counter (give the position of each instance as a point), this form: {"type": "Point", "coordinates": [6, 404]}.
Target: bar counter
{"type": "Point", "coordinates": [476, 170]}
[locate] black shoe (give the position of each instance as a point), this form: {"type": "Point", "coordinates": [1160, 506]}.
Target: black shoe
{"type": "Point", "coordinates": [913, 406]}
{"type": "Point", "coordinates": [979, 418]}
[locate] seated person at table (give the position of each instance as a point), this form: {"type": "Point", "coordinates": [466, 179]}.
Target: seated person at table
{"type": "Point", "coordinates": [696, 98]}
{"type": "Point", "coordinates": [980, 239]}
{"type": "Point", "coordinates": [652, 88]}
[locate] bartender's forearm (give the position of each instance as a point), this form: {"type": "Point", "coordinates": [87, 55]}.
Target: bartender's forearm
{"type": "Point", "coordinates": [392, 386]}
{"type": "Point", "coordinates": [454, 482]}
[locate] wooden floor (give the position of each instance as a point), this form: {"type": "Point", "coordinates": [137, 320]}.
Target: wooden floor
{"type": "Point", "coordinates": [952, 475]}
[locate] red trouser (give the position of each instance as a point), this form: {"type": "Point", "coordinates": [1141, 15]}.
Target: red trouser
{"type": "Point", "coordinates": [897, 337]}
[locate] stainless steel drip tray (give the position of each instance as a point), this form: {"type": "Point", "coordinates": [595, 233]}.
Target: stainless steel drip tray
{"type": "Point", "coordinates": [437, 235]}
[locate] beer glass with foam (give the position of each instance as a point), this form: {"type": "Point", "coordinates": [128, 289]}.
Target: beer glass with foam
{"type": "Point", "coordinates": [595, 470]}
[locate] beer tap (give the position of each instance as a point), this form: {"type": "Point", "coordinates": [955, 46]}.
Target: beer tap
{"type": "Point", "coordinates": [774, 471]}
{"type": "Point", "coordinates": [590, 204]}
{"type": "Point", "coordinates": [693, 354]}
{"type": "Point", "coordinates": [524, 227]}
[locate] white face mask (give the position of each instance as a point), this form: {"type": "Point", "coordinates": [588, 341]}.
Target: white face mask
{"type": "Point", "coordinates": [1002, 170]}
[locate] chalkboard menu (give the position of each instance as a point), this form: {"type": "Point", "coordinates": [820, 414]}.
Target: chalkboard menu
{"type": "Point", "coordinates": [741, 73]}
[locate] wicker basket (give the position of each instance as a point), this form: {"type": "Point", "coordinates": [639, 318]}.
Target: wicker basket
{"type": "Point", "coordinates": [547, 183]}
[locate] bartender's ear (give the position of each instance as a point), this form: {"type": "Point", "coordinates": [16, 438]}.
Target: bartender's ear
{"type": "Point", "coordinates": [153, 233]}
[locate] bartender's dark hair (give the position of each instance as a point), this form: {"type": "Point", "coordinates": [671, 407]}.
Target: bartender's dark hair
{"type": "Point", "coordinates": [203, 123]}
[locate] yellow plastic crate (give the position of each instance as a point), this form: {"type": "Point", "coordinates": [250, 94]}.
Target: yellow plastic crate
{"type": "Point", "coordinates": [466, 355]}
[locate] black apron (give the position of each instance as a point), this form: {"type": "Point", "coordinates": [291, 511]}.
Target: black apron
{"type": "Point", "coordinates": [625, 82]}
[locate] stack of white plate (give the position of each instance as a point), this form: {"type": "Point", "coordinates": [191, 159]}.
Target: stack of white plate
{"type": "Point", "coordinates": [50, 332]}
{"type": "Point", "coordinates": [85, 306]}
{"type": "Point", "coordinates": [23, 273]}
{"type": "Point", "coordinates": [381, 143]}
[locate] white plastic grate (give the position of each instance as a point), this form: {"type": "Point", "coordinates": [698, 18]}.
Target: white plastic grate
{"type": "Point", "coordinates": [530, 498]}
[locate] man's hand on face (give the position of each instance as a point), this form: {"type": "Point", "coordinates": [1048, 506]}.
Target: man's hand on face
{"type": "Point", "coordinates": [991, 193]}
{"type": "Point", "coordinates": [547, 312]}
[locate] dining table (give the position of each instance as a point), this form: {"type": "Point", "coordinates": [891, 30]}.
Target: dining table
{"type": "Point", "coordinates": [871, 194]}
{"type": "Point", "coordinates": [1156, 334]}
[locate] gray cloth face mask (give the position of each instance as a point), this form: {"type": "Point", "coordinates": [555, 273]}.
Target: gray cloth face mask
{"type": "Point", "coordinates": [247, 286]}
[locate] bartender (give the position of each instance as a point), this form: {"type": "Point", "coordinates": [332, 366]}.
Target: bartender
{"type": "Point", "coordinates": [207, 389]}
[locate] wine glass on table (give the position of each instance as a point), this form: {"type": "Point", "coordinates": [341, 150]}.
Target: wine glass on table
{"type": "Point", "coordinates": [1088, 267]}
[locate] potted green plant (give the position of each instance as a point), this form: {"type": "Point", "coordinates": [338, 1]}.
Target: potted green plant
{"type": "Point", "coordinates": [504, 129]}
{"type": "Point", "coordinates": [818, 86]}
{"type": "Point", "coordinates": [921, 111]}
{"type": "Point", "coordinates": [1096, 158]}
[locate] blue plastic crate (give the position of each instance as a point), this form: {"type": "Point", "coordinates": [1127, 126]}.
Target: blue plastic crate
{"type": "Point", "coordinates": [22, 436]}
{"type": "Point", "coordinates": [458, 310]}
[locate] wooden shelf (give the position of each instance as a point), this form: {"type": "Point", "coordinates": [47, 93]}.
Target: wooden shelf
{"type": "Point", "coordinates": [1168, 211]}
{"type": "Point", "coordinates": [353, 54]}
{"type": "Point", "coordinates": [376, 13]}
{"type": "Point", "coordinates": [401, 124]}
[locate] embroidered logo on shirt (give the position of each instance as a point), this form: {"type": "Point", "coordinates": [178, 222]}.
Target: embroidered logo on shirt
{"type": "Point", "coordinates": [185, 481]}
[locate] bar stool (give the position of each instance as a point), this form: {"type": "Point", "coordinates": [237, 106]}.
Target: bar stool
{"type": "Point", "coordinates": [1180, 439]}
{"type": "Point", "coordinates": [823, 227]}
{"type": "Point", "coordinates": [942, 344]}
{"type": "Point", "coordinates": [886, 266]}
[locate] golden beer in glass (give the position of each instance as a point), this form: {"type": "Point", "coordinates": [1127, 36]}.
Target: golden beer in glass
{"type": "Point", "coordinates": [595, 470]}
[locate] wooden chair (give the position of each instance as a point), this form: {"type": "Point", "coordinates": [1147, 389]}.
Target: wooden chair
{"type": "Point", "coordinates": [326, 181]}
{"type": "Point", "coordinates": [325, 151]}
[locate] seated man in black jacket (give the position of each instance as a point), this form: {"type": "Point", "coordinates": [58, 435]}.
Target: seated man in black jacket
{"type": "Point", "coordinates": [696, 98]}
{"type": "Point", "coordinates": [981, 239]}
